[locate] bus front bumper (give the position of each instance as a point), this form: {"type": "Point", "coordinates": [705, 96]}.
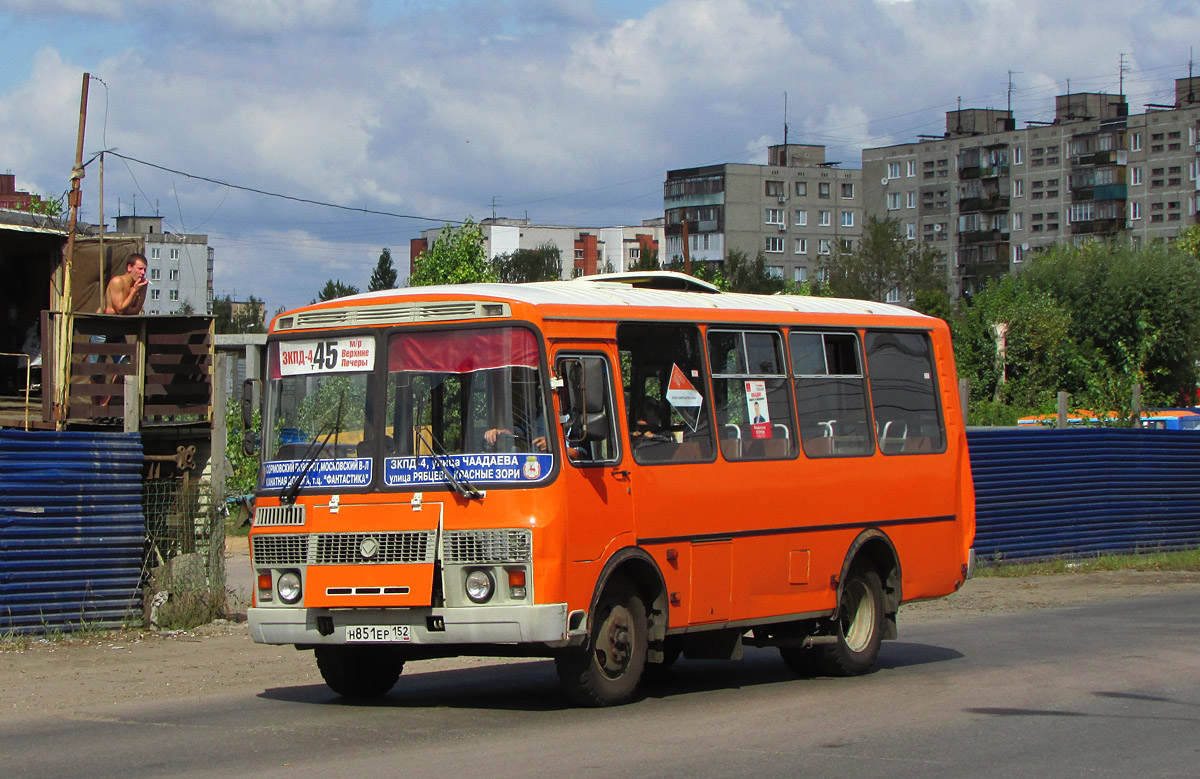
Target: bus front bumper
{"type": "Point", "coordinates": [532, 624]}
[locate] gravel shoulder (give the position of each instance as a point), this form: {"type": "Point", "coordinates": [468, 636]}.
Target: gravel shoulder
{"type": "Point", "coordinates": [64, 676]}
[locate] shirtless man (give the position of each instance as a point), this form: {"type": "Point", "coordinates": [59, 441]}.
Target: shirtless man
{"type": "Point", "coordinates": [127, 293]}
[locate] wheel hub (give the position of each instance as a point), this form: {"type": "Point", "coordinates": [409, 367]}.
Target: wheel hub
{"type": "Point", "coordinates": [614, 645]}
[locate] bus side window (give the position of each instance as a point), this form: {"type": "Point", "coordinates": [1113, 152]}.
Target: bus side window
{"type": "Point", "coordinates": [750, 395]}
{"type": "Point", "coordinates": [663, 375]}
{"type": "Point", "coordinates": [831, 394]}
{"type": "Point", "coordinates": [904, 393]}
{"type": "Point", "coordinates": [586, 401]}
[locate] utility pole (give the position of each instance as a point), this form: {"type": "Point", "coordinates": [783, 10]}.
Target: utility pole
{"type": "Point", "coordinates": [1011, 73]}
{"type": "Point", "coordinates": [62, 391]}
{"type": "Point", "coordinates": [785, 129]}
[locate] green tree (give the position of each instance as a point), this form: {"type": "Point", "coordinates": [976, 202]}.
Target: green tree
{"type": "Point", "coordinates": [1188, 242]}
{"type": "Point", "coordinates": [523, 265]}
{"type": "Point", "coordinates": [648, 260]}
{"type": "Point", "coordinates": [884, 261]}
{"type": "Point", "coordinates": [384, 275]}
{"type": "Point", "coordinates": [1138, 309]}
{"type": "Point", "coordinates": [710, 272]}
{"type": "Point", "coordinates": [334, 289]}
{"type": "Point", "coordinates": [458, 256]}
{"type": "Point", "coordinates": [742, 274]}
{"type": "Point", "coordinates": [243, 475]}
{"type": "Point", "coordinates": [1090, 320]}
{"type": "Point", "coordinates": [240, 318]}
{"type": "Point", "coordinates": [37, 205]}
{"type": "Point", "coordinates": [1012, 343]}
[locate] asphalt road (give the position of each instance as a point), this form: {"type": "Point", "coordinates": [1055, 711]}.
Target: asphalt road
{"type": "Point", "coordinates": [1099, 690]}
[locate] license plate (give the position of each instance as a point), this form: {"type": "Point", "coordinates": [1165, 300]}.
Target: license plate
{"type": "Point", "coordinates": [377, 633]}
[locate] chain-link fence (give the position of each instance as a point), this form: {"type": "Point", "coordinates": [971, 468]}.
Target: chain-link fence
{"type": "Point", "coordinates": [184, 568]}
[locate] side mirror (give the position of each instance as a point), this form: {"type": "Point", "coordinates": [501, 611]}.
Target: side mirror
{"type": "Point", "coordinates": [249, 434]}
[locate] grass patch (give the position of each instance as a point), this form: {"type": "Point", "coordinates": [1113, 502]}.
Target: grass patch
{"type": "Point", "coordinates": [1182, 560]}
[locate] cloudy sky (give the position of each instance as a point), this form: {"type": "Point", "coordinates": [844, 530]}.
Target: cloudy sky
{"type": "Point", "coordinates": [567, 111]}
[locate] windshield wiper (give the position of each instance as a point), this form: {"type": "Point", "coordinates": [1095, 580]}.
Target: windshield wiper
{"type": "Point", "coordinates": [311, 455]}
{"type": "Point", "coordinates": [462, 487]}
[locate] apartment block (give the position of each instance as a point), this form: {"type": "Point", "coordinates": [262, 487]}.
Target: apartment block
{"type": "Point", "coordinates": [179, 267]}
{"type": "Point", "coordinates": [795, 209]}
{"type": "Point", "coordinates": [584, 251]}
{"type": "Point", "coordinates": [988, 195]}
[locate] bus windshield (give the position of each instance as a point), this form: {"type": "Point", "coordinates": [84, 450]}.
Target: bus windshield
{"type": "Point", "coordinates": [318, 413]}
{"type": "Point", "coordinates": [467, 401]}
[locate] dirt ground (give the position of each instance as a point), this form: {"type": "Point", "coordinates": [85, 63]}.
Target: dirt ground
{"type": "Point", "coordinates": [44, 677]}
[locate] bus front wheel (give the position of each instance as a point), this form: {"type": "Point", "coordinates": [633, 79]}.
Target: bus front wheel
{"type": "Point", "coordinates": [858, 626]}
{"type": "Point", "coordinates": [607, 671]}
{"type": "Point", "coordinates": [358, 672]}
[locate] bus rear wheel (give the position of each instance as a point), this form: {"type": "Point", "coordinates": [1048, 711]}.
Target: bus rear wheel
{"type": "Point", "coordinates": [858, 626]}
{"type": "Point", "coordinates": [607, 671]}
{"type": "Point", "coordinates": [359, 672]}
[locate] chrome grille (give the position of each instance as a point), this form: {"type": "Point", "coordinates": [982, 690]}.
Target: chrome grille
{"type": "Point", "coordinates": [279, 549]}
{"type": "Point", "coordinates": [342, 548]}
{"type": "Point", "coordinates": [275, 516]}
{"type": "Point", "coordinates": [487, 546]}
{"type": "Point", "coordinates": [347, 548]}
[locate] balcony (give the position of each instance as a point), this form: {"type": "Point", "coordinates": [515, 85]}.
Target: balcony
{"type": "Point", "coordinates": [982, 236]}
{"type": "Point", "coordinates": [150, 370]}
{"type": "Point", "coordinates": [1111, 192]}
{"type": "Point", "coordinates": [1098, 227]}
{"type": "Point", "coordinates": [989, 203]}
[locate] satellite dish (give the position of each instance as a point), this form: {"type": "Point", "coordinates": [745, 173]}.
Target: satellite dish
{"type": "Point", "coordinates": [937, 228]}
{"type": "Point", "coordinates": [883, 181]}
{"type": "Point", "coordinates": [1024, 247]}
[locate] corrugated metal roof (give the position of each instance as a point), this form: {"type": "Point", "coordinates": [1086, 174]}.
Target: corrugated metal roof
{"type": "Point", "coordinates": [599, 293]}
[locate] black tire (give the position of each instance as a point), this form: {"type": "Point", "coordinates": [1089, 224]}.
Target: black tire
{"type": "Point", "coordinates": [858, 625]}
{"type": "Point", "coordinates": [607, 671]}
{"type": "Point", "coordinates": [359, 672]}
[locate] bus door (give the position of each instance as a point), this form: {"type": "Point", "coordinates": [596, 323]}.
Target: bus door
{"type": "Point", "coordinates": [597, 481]}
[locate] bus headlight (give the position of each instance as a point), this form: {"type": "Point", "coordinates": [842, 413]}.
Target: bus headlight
{"type": "Point", "coordinates": [480, 585]}
{"type": "Point", "coordinates": [288, 586]}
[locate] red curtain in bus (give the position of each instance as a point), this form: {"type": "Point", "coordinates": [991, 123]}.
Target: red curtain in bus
{"type": "Point", "coordinates": [463, 351]}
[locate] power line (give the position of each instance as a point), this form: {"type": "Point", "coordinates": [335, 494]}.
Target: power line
{"type": "Point", "coordinates": [281, 196]}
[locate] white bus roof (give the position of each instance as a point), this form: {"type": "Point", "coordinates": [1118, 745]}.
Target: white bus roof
{"type": "Point", "coordinates": [468, 301]}
{"type": "Point", "coordinates": [597, 293]}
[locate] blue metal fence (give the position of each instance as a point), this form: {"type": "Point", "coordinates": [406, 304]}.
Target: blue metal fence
{"type": "Point", "coordinates": [1047, 493]}
{"type": "Point", "coordinates": [72, 530]}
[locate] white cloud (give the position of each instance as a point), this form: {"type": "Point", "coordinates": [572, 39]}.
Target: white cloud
{"type": "Point", "coordinates": [549, 108]}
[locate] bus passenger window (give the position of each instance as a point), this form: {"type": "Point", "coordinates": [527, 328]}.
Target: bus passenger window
{"type": "Point", "coordinates": [750, 396]}
{"type": "Point", "coordinates": [904, 393]}
{"type": "Point", "coordinates": [664, 385]}
{"type": "Point", "coordinates": [831, 395]}
{"type": "Point", "coordinates": [589, 433]}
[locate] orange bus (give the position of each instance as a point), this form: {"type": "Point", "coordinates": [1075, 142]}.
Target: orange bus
{"type": "Point", "coordinates": [606, 472]}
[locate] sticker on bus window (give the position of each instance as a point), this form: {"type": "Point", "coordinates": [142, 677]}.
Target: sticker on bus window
{"type": "Point", "coordinates": [684, 397]}
{"type": "Point", "coordinates": [757, 410]}
{"type": "Point", "coordinates": [328, 355]}
{"type": "Point", "coordinates": [475, 469]}
{"type": "Point", "coordinates": [342, 472]}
